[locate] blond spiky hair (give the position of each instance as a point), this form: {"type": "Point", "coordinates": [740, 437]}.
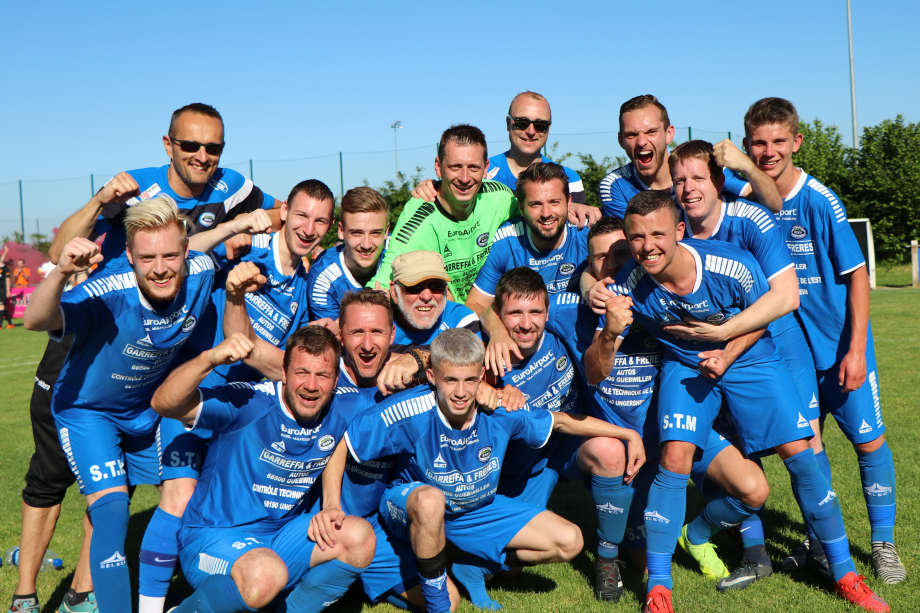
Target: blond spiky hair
{"type": "Point", "coordinates": [151, 215]}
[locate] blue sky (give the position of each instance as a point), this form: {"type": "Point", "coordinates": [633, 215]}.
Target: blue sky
{"type": "Point", "coordinates": [89, 88]}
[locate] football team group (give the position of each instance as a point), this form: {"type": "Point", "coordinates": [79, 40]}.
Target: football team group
{"type": "Point", "coordinates": [395, 411]}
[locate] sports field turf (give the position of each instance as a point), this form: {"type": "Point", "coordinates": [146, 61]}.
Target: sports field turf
{"type": "Point", "coordinates": [567, 587]}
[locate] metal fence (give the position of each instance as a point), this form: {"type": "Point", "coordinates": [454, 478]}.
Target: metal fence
{"type": "Point", "coordinates": [38, 207]}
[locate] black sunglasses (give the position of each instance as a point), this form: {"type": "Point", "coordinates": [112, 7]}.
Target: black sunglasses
{"type": "Point", "coordinates": [435, 286]}
{"type": "Point", "coordinates": [522, 123]}
{"type": "Point", "coordinates": [190, 146]}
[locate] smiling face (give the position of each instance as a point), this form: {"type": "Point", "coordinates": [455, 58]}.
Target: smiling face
{"type": "Point", "coordinates": [363, 235]}
{"type": "Point", "coordinates": [529, 141]}
{"type": "Point", "coordinates": [422, 304]}
{"type": "Point", "coordinates": [545, 210]}
{"type": "Point", "coordinates": [771, 147]}
{"type": "Point", "coordinates": [456, 389]}
{"type": "Point", "coordinates": [645, 139]}
{"type": "Point", "coordinates": [195, 169]}
{"type": "Point", "coordinates": [608, 254]}
{"type": "Point", "coordinates": [461, 170]}
{"type": "Point", "coordinates": [525, 320]}
{"type": "Point", "coordinates": [306, 221]}
{"type": "Point", "coordinates": [695, 190]}
{"type": "Point", "coordinates": [366, 337]}
{"type": "Point", "coordinates": [653, 239]}
{"type": "Point", "coordinates": [309, 383]}
{"type": "Point", "coordinates": [158, 258]}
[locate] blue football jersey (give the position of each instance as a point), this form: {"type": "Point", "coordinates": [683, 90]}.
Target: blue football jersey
{"type": "Point", "coordinates": [824, 249]}
{"type": "Point", "coordinates": [728, 280]}
{"type": "Point", "coordinates": [464, 464]}
{"type": "Point", "coordinates": [560, 268]}
{"type": "Point", "coordinates": [547, 380]}
{"type": "Point", "coordinates": [454, 316]}
{"type": "Point", "coordinates": [262, 460]}
{"type": "Point", "coordinates": [499, 171]}
{"type": "Point", "coordinates": [753, 228]}
{"type": "Point", "coordinates": [227, 194]}
{"type": "Point", "coordinates": [328, 281]}
{"type": "Point", "coordinates": [618, 187]}
{"type": "Point", "coordinates": [276, 310]}
{"type": "Point", "coordinates": [123, 347]}
{"type": "Point", "coordinates": [623, 397]}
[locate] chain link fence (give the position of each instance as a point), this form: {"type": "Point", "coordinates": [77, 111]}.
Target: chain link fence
{"type": "Point", "coordinates": [38, 207]}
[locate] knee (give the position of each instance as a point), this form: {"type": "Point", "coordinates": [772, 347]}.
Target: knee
{"type": "Point", "coordinates": [753, 489]}
{"type": "Point", "coordinates": [259, 575]}
{"type": "Point", "coordinates": [864, 448]}
{"type": "Point", "coordinates": [175, 494]}
{"type": "Point", "coordinates": [359, 541]}
{"type": "Point", "coordinates": [569, 540]}
{"type": "Point", "coordinates": [605, 457]}
{"type": "Point", "coordinates": [426, 505]}
{"type": "Point", "coordinates": [677, 457]}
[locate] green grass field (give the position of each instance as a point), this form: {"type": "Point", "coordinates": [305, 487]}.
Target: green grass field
{"type": "Point", "coordinates": [567, 587]}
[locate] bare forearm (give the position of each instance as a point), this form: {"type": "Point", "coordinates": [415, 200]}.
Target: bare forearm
{"type": "Point", "coordinates": [44, 311]}
{"type": "Point", "coordinates": [332, 477]}
{"type": "Point", "coordinates": [178, 394]}
{"type": "Point", "coordinates": [600, 357]}
{"type": "Point", "coordinates": [205, 241]}
{"type": "Point", "coordinates": [858, 309]}
{"type": "Point", "coordinates": [764, 189]}
{"type": "Point", "coordinates": [586, 282]}
{"type": "Point", "coordinates": [739, 345]}
{"type": "Point", "coordinates": [80, 223]}
{"type": "Point", "coordinates": [491, 324]}
{"type": "Point", "coordinates": [583, 425]}
{"type": "Point", "coordinates": [782, 298]}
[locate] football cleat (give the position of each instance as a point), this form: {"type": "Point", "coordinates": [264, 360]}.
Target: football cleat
{"type": "Point", "coordinates": [608, 580]}
{"type": "Point", "coordinates": [853, 589]}
{"type": "Point", "coordinates": [887, 564]}
{"type": "Point", "coordinates": [747, 573]}
{"type": "Point", "coordinates": [658, 600]}
{"type": "Point", "coordinates": [705, 555]}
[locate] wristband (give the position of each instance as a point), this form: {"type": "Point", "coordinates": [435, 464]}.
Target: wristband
{"type": "Point", "coordinates": [415, 353]}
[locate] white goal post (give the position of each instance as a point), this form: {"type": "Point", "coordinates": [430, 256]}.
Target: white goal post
{"type": "Point", "coordinates": [862, 228]}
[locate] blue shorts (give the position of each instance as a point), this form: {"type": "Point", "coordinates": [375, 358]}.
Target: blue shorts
{"type": "Point", "coordinates": [183, 450]}
{"type": "Point", "coordinates": [393, 567]}
{"type": "Point", "coordinates": [484, 531]}
{"type": "Point", "coordinates": [213, 551]}
{"type": "Point", "coordinates": [858, 413]}
{"type": "Point", "coordinates": [104, 451]}
{"type": "Point", "coordinates": [537, 486]}
{"type": "Point", "coordinates": [757, 395]}
{"type": "Point", "coordinates": [796, 353]}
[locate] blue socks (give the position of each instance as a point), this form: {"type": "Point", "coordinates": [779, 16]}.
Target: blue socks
{"type": "Point", "coordinates": [752, 530]}
{"type": "Point", "coordinates": [320, 587]}
{"type": "Point", "coordinates": [216, 594]}
{"type": "Point", "coordinates": [108, 564]}
{"type": "Point", "coordinates": [664, 518]}
{"type": "Point", "coordinates": [722, 512]}
{"type": "Point", "coordinates": [159, 551]}
{"type": "Point", "coordinates": [876, 470]}
{"type": "Point", "coordinates": [824, 463]}
{"type": "Point", "coordinates": [612, 499]}
{"type": "Point", "coordinates": [470, 572]}
{"type": "Point", "coordinates": [821, 508]}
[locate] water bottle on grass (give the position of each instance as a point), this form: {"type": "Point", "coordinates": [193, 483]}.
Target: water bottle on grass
{"type": "Point", "coordinates": [50, 562]}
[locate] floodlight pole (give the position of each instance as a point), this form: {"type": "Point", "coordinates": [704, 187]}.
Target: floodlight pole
{"type": "Point", "coordinates": [852, 78]}
{"type": "Point", "coordinates": [397, 125]}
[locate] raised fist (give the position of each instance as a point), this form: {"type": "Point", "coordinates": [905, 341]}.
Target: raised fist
{"type": "Point", "coordinates": [245, 278]}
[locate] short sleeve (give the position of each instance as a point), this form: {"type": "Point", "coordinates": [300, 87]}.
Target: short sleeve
{"type": "Point", "coordinates": [843, 248]}
{"type": "Point", "coordinates": [220, 407]}
{"type": "Point", "coordinates": [80, 313]}
{"type": "Point", "coordinates": [768, 248]}
{"type": "Point", "coordinates": [576, 187]}
{"type": "Point", "coordinates": [493, 269]}
{"type": "Point", "coordinates": [532, 427]}
{"type": "Point", "coordinates": [734, 182]}
{"type": "Point", "coordinates": [370, 437]}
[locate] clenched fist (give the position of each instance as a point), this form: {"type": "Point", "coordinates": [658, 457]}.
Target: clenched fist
{"type": "Point", "coordinates": [245, 278]}
{"type": "Point", "coordinates": [79, 254]}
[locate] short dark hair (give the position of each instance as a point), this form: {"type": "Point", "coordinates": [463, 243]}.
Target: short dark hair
{"type": "Point", "coordinates": [372, 297]}
{"type": "Point", "coordinates": [313, 188]}
{"type": "Point", "coordinates": [695, 150]}
{"type": "Point", "coordinates": [523, 282]}
{"type": "Point", "coordinates": [313, 340]}
{"type": "Point", "coordinates": [647, 202]}
{"type": "Point", "coordinates": [196, 107]}
{"type": "Point", "coordinates": [541, 172]}
{"type": "Point", "coordinates": [640, 102]}
{"type": "Point", "coordinates": [605, 225]}
{"type": "Point", "coordinates": [463, 134]}
{"type": "Point", "coordinates": [770, 111]}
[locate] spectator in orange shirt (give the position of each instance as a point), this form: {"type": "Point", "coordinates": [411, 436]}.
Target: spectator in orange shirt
{"type": "Point", "coordinates": [21, 274]}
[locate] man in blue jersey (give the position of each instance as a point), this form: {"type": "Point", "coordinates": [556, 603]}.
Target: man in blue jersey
{"type": "Point", "coordinates": [834, 311]}
{"type": "Point", "coordinates": [348, 267]}
{"type": "Point", "coordinates": [709, 214]}
{"type": "Point", "coordinates": [450, 458]}
{"type": "Point", "coordinates": [209, 196]}
{"type": "Point", "coordinates": [243, 539]}
{"type": "Point", "coordinates": [546, 375]}
{"type": "Point", "coordinates": [418, 289]}
{"type": "Point", "coordinates": [540, 239]}
{"type": "Point", "coordinates": [645, 133]}
{"type": "Point", "coordinates": [129, 323]}
{"type": "Point", "coordinates": [711, 280]}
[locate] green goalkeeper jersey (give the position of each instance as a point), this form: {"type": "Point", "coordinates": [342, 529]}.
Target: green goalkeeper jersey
{"type": "Point", "coordinates": [464, 245]}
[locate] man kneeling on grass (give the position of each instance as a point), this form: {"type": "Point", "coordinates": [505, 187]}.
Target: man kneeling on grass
{"type": "Point", "coordinates": [450, 455]}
